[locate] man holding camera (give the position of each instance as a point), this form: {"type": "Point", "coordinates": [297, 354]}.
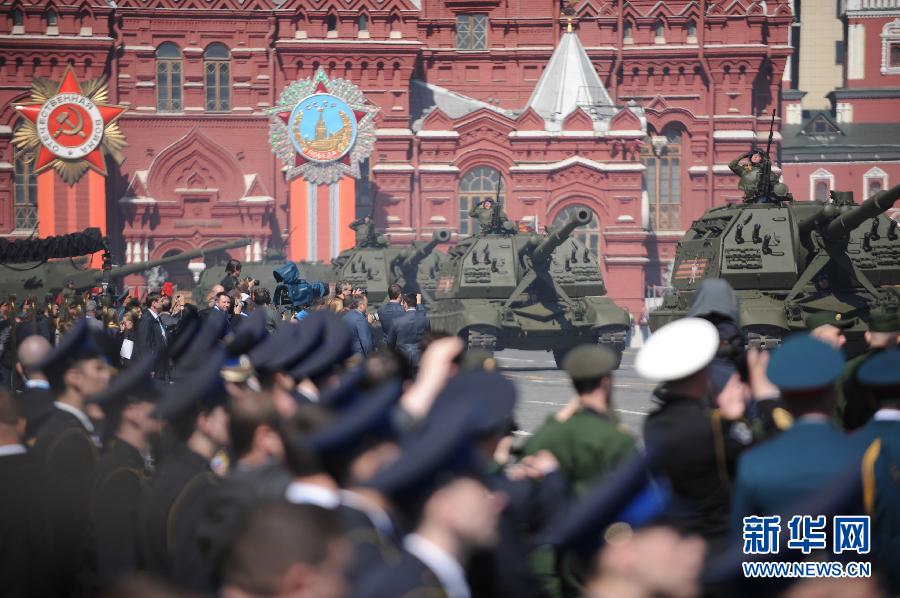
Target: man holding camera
{"type": "Point", "coordinates": [406, 332]}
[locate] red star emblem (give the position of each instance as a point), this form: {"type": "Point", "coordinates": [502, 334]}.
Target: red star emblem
{"type": "Point", "coordinates": [70, 125]}
{"type": "Point", "coordinates": [286, 116]}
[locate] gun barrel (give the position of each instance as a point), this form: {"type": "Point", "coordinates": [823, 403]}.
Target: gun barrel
{"type": "Point", "coordinates": [94, 276]}
{"type": "Point", "coordinates": [442, 235]}
{"type": "Point", "coordinates": [546, 247]}
{"type": "Point", "coordinates": [876, 205]}
{"type": "Point", "coordinates": [823, 214]}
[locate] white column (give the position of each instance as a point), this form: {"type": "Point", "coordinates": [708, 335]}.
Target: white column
{"type": "Point", "coordinates": [856, 51]}
{"type": "Point", "coordinates": [311, 233]}
{"type": "Point", "coordinates": [334, 204]}
{"type": "Point", "coordinates": [248, 256]}
{"type": "Point", "coordinates": [128, 249]}
{"type": "Point", "coordinates": [257, 251]}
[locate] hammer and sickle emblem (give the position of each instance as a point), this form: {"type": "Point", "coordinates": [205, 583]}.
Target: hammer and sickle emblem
{"type": "Point", "coordinates": [76, 128]}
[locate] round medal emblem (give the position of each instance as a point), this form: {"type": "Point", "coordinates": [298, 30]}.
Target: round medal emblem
{"type": "Point", "coordinates": [70, 125]}
{"type": "Point", "coordinates": [322, 127]}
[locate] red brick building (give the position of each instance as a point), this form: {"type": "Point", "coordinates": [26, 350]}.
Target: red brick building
{"type": "Point", "coordinates": [634, 114]}
{"type": "Point", "coordinates": [854, 145]}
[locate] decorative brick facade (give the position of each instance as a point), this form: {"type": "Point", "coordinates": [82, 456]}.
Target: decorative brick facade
{"type": "Point", "coordinates": [691, 85]}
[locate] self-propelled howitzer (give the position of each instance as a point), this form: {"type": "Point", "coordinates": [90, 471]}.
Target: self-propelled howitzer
{"type": "Point", "coordinates": [788, 260]}
{"type": "Point", "coordinates": [374, 269]}
{"type": "Point", "coordinates": [38, 279]}
{"type": "Point", "coordinates": [532, 292]}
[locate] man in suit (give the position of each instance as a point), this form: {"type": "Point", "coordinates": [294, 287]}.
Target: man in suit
{"type": "Point", "coordinates": [211, 300]}
{"type": "Point", "coordinates": [152, 339]}
{"type": "Point", "coordinates": [223, 305]}
{"type": "Point", "coordinates": [391, 310]}
{"type": "Point", "coordinates": [359, 323]}
{"type": "Point", "coordinates": [792, 468]}
{"type": "Point", "coordinates": [67, 441]}
{"type": "Point", "coordinates": [407, 331]}
{"type": "Point", "coordinates": [122, 473]}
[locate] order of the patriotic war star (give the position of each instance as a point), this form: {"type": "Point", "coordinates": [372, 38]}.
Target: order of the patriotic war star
{"type": "Point", "coordinates": [416, 298]}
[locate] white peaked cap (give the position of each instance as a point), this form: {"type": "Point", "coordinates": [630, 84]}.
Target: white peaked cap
{"type": "Point", "coordinates": [677, 350]}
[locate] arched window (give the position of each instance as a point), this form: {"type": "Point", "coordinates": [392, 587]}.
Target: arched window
{"type": "Point", "coordinates": [24, 191]}
{"type": "Point", "coordinates": [52, 18]}
{"type": "Point", "coordinates": [659, 33]}
{"type": "Point", "coordinates": [477, 185]}
{"type": "Point", "coordinates": [821, 182]}
{"type": "Point", "coordinates": [18, 20]}
{"type": "Point", "coordinates": [331, 24]}
{"type": "Point", "coordinates": [874, 180]}
{"type": "Point", "coordinates": [168, 78]}
{"type": "Point", "coordinates": [217, 70]}
{"type": "Point", "coordinates": [628, 33]}
{"type": "Point", "coordinates": [588, 234]}
{"type": "Point", "coordinates": [661, 154]}
{"type": "Point", "coordinates": [362, 23]}
{"type": "Point", "coordinates": [692, 32]}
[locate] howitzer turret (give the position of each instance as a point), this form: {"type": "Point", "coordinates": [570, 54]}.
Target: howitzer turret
{"type": "Point", "coordinates": [531, 292]}
{"type": "Point", "coordinates": [790, 259]}
{"type": "Point", "coordinates": [547, 246]}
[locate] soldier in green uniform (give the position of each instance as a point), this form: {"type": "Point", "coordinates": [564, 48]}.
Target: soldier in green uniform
{"type": "Point", "coordinates": [483, 212]}
{"type": "Point", "coordinates": [855, 404]}
{"type": "Point", "coordinates": [365, 231]}
{"type": "Point", "coordinates": [589, 444]}
{"type": "Point", "coordinates": [751, 173]}
{"type": "Point", "coordinates": [828, 327]}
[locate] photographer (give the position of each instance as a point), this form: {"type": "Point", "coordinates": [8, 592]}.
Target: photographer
{"type": "Point", "coordinates": [233, 280]}
{"type": "Point", "coordinates": [262, 300]}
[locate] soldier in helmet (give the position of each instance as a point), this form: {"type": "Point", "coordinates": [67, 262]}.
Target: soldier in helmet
{"type": "Point", "coordinates": [365, 231]}
{"type": "Point", "coordinates": [751, 173]}
{"type": "Point", "coordinates": [483, 212]}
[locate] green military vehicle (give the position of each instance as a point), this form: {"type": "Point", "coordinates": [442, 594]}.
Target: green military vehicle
{"type": "Point", "coordinates": [48, 276]}
{"type": "Point", "coordinates": [506, 290]}
{"type": "Point", "coordinates": [376, 264]}
{"type": "Point", "coordinates": [373, 265]}
{"type": "Point", "coordinates": [788, 259]}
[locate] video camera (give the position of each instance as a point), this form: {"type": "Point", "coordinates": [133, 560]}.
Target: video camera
{"type": "Point", "coordinates": [295, 291]}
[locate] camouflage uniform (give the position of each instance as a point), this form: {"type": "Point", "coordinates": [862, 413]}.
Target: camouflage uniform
{"type": "Point", "coordinates": [750, 178]}
{"type": "Point", "coordinates": [365, 231]}
{"type": "Point", "coordinates": [485, 218]}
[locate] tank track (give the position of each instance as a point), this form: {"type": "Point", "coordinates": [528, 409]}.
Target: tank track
{"type": "Point", "coordinates": [616, 342]}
